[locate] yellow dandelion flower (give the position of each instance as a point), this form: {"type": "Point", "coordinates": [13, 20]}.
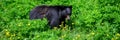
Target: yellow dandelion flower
{"type": "Point", "coordinates": [20, 24]}
{"type": "Point", "coordinates": [28, 24]}
{"type": "Point", "coordinates": [10, 38]}
{"type": "Point", "coordinates": [93, 33]}
{"type": "Point", "coordinates": [117, 34]}
{"type": "Point", "coordinates": [73, 39]}
{"type": "Point", "coordinates": [65, 27]}
{"type": "Point", "coordinates": [7, 33]}
{"type": "Point", "coordinates": [18, 37]}
{"type": "Point", "coordinates": [73, 23]}
{"type": "Point", "coordinates": [116, 38]}
{"type": "Point", "coordinates": [112, 39]}
{"type": "Point", "coordinates": [78, 36]}
{"type": "Point", "coordinates": [63, 36]}
{"type": "Point", "coordinates": [60, 25]}
{"type": "Point", "coordinates": [55, 27]}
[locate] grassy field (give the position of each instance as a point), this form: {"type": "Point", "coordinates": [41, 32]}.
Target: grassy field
{"type": "Point", "coordinates": [90, 20]}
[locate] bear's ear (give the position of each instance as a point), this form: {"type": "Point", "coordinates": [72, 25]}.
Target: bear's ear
{"type": "Point", "coordinates": [68, 10]}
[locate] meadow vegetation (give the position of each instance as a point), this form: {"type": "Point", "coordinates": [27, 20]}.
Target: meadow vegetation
{"type": "Point", "coordinates": [90, 20]}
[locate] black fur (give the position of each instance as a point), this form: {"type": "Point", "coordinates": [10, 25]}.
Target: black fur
{"type": "Point", "coordinates": [54, 14]}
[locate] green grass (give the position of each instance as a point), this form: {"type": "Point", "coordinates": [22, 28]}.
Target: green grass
{"type": "Point", "coordinates": [90, 20]}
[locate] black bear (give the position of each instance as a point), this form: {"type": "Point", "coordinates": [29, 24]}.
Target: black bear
{"type": "Point", "coordinates": [54, 14]}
